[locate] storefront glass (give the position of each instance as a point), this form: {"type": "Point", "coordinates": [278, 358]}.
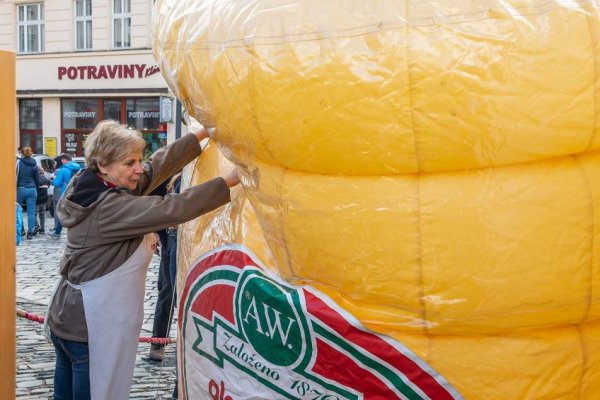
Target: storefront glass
{"type": "Point", "coordinates": [80, 116]}
{"type": "Point", "coordinates": [112, 109]}
{"type": "Point", "coordinates": [154, 141]}
{"type": "Point", "coordinates": [30, 114]}
{"type": "Point", "coordinates": [79, 113]}
{"type": "Point", "coordinates": [143, 114]}
{"type": "Point", "coordinates": [30, 124]}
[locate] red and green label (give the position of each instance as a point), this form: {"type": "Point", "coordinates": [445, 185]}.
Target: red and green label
{"type": "Point", "coordinates": [247, 334]}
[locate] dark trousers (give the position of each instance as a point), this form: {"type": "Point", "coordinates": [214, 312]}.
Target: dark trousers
{"type": "Point", "coordinates": [72, 371]}
{"type": "Point", "coordinates": [172, 241]}
{"type": "Point", "coordinates": [163, 312]}
{"type": "Point", "coordinates": [172, 245]}
{"type": "Point", "coordinates": [165, 304]}
{"type": "Point", "coordinates": [40, 211]}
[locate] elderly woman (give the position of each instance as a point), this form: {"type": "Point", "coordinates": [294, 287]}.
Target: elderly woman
{"type": "Point", "coordinates": [96, 313]}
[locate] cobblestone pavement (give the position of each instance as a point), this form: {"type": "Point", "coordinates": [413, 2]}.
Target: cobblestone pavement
{"type": "Point", "coordinates": [37, 273]}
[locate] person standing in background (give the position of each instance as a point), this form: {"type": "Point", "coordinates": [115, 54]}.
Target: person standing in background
{"type": "Point", "coordinates": [174, 186]}
{"type": "Point", "coordinates": [56, 195]}
{"type": "Point", "coordinates": [164, 303]}
{"type": "Point", "coordinates": [19, 222]}
{"type": "Point", "coordinates": [40, 203]}
{"type": "Point", "coordinates": [163, 313]}
{"type": "Point", "coordinates": [27, 184]}
{"type": "Point", "coordinates": [62, 177]}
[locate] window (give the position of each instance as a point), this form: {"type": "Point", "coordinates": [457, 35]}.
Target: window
{"type": "Point", "coordinates": [112, 109]}
{"type": "Point", "coordinates": [30, 124]}
{"type": "Point", "coordinates": [79, 117]}
{"type": "Point", "coordinates": [144, 115]}
{"type": "Point", "coordinates": [30, 114]}
{"type": "Point", "coordinates": [121, 24]}
{"type": "Point", "coordinates": [83, 24]}
{"type": "Point", "coordinates": [79, 113]}
{"type": "Point", "coordinates": [30, 27]}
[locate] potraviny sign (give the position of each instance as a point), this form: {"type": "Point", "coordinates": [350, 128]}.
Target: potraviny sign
{"type": "Point", "coordinates": [246, 334]}
{"type": "Point", "coordinates": [86, 72]}
{"type": "Point", "coordinates": [115, 71]}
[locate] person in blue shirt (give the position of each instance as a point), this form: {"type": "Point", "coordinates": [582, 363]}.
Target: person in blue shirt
{"type": "Point", "coordinates": [27, 183]}
{"type": "Point", "coordinates": [19, 221]}
{"type": "Point", "coordinates": [61, 180]}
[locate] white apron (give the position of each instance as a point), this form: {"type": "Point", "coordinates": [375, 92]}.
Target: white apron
{"type": "Point", "coordinates": [114, 311]}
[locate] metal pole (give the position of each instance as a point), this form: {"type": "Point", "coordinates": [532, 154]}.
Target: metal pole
{"type": "Point", "coordinates": [178, 120]}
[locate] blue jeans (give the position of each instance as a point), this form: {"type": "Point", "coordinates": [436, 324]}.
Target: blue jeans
{"type": "Point", "coordinates": [29, 196]}
{"type": "Point", "coordinates": [57, 225]}
{"type": "Point", "coordinates": [72, 371]}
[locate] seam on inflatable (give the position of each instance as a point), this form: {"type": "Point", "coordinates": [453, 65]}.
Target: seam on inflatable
{"type": "Point", "coordinates": [595, 77]}
{"type": "Point", "coordinates": [543, 7]}
{"type": "Point", "coordinates": [584, 361]}
{"type": "Point", "coordinates": [421, 272]}
{"type": "Point", "coordinates": [588, 186]}
{"type": "Point", "coordinates": [288, 269]}
{"type": "Point", "coordinates": [429, 173]}
{"type": "Point", "coordinates": [250, 48]}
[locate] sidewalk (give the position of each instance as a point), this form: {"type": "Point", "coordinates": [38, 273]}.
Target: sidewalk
{"type": "Point", "coordinates": [37, 273]}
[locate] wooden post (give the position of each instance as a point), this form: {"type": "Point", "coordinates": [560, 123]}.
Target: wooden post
{"type": "Point", "coordinates": [7, 226]}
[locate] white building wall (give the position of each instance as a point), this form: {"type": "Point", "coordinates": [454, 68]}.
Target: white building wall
{"type": "Point", "coordinates": [60, 25]}
{"type": "Point", "coordinates": [37, 74]}
{"type": "Point", "coordinates": [8, 21]}
{"type": "Point", "coordinates": [140, 29]}
{"type": "Point", "coordinates": [59, 32]}
{"type": "Point", "coordinates": [101, 25]}
{"type": "Point", "coordinates": [51, 122]}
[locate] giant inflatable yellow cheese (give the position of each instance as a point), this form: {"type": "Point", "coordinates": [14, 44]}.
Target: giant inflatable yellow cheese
{"type": "Point", "coordinates": [426, 171]}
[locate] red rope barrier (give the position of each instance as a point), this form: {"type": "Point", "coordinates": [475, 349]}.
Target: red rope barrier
{"type": "Point", "coordinates": [143, 339]}
{"type": "Point", "coordinates": [156, 340]}
{"type": "Point", "coordinates": [30, 316]}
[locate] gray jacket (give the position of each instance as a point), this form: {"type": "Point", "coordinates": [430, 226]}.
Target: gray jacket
{"type": "Point", "coordinates": [106, 225]}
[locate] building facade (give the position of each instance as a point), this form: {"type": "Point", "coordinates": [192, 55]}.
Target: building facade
{"type": "Point", "coordinates": [80, 62]}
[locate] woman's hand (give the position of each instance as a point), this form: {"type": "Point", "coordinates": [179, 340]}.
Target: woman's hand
{"type": "Point", "coordinates": [198, 129]}
{"type": "Point", "coordinates": [232, 178]}
{"type": "Point", "coordinates": [201, 133]}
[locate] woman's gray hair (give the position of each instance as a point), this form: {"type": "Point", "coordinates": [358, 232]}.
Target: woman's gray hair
{"type": "Point", "coordinates": [109, 142]}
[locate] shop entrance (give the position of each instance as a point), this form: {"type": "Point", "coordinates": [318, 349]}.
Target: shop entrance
{"type": "Point", "coordinates": [73, 142]}
{"type": "Point", "coordinates": [80, 116]}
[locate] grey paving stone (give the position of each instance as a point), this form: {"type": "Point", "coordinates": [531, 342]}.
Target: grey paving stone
{"type": "Point", "coordinates": [29, 384]}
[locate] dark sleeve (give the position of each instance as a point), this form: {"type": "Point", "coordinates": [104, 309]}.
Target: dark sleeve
{"type": "Point", "coordinates": [36, 178]}
{"type": "Point", "coordinates": [161, 190]}
{"type": "Point", "coordinates": [130, 216]}
{"type": "Point", "coordinates": [44, 181]}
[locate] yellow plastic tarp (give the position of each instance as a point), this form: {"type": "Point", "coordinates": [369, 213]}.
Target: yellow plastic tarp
{"type": "Point", "coordinates": [431, 166]}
